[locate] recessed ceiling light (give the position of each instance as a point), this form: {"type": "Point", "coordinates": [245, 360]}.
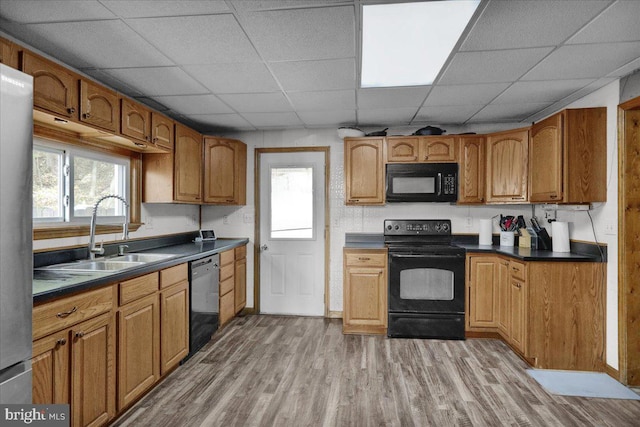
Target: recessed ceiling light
{"type": "Point", "coordinates": [406, 44]}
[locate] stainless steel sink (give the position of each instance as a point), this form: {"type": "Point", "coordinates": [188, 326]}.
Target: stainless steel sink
{"type": "Point", "coordinates": [141, 257]}
{"type": "Point", "coordinates": [98, 265]}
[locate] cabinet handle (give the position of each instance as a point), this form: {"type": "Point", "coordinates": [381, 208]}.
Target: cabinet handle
{"type": "Point", "coordinates": [71, 110]}
{"type": "Point", "coordinates": [147, 138]}
{"type": "Point", "coordinates": [354, 200]}
{"type": "Point", "coordinates": [86, 115]}
{"type": "Point", "coordinates": [517, 198]}
{"type": "Point", "coordinates": [517, 285]}
{"type": "Point", "coordinates": [553, 196]}
{"type": "Point", "coordinates": [364, 258]}
{"type": "Point", "coordinates": [64, 314]}
{"type": "Point", "coordinates": [61, 341]}
{"type": "Point", "coordinates": [155, 140]}
{"type": "Point", "coordinates": [79, 334]}
{"type": "Point", "coordinates": [426, 157]}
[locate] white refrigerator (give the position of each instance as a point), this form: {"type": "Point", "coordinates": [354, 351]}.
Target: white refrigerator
{"type": "Point", "coordinates": [16, 253]}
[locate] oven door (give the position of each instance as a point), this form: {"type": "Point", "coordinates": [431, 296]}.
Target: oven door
{"type": "Point", "coordinates": [426, 282]}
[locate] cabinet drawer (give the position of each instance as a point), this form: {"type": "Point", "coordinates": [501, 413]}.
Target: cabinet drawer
{"type": "Point", "coordinates": [226, 286]}
{"type": "Point", "coordinates": [57, 315]}
{"type": "Point", "coordinates": [173, 275]}
{"type": "Point", "coordinates": [227, 257]}
{"type": "Point", "coordinates": [517, 270]}
{"type": "Point", "coordinates": [366, 259]}
{"type": "Point", "coordinates": [241, 252]}
{"type": "Point", "coordinates": [227, 307]}
{"type": "Point", "coordinates": [226, 272]}
{"type": "Point", "coordinates": [136, 288]}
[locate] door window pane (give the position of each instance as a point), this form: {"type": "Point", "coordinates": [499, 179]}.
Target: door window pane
{"type": "Point", "coordinates": [426, 284]}
{"type": "Point", "coordinates": [291, 203]}
{"type": "Point", "coordinates": [48, 185]}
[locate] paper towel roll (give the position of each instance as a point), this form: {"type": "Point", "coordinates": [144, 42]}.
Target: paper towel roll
{"type": "Point", "coordinates": [560, 236]}
{"type": "Point", "coordinates": [486, 232]}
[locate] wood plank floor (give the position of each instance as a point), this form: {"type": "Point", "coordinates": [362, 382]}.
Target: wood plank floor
{"type": "Point", "coordinates": [296, 371]}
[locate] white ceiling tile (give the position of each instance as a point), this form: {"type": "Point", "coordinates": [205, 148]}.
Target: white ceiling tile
{"type": "Point", "coordinates": [386, 116]}
{"type": "Point", "coordinates": [389, 97]}
{"type": "Point", "coordinates": [315, 75]}
{"type": "Point", "coordinates": [584, 61]}
{"type": "Point", "coordinates": [515, 24]}
{"type": "Point", "coordinates": [150, 102]}
{"type": "Point", "coordinates": [188, 39]}
{"type": "Point", "coordinates": [273, 119]}
{"type": "Point", "coordinates": [158, 81]}
{"type": "Point", "coordinates": [540, 91]}
{"type": "Point", "coordinates": [303, 34]}
{"type": "Point", "coordinates": [274, 102]}
{"type": "Point", "coordinates": [214, 121]}
{"type": "Point", "coordinates": [464, 94]}
{"type": "Point", "coordinates": [156, 8]}
{"type": "Point", "coordinates": [323, 101]}
{"type": "Point", "coordinates": [446, 114]}
{"type": "Point", "coordinates": [30, 11]}
{"type": "Point", "coordinates": [234, 78]}
{"type": "Point", "coordinates": [328, 118]}
{"type": "Point", "coordinates": [95, 44]}
{"type": "Point", "coordinates": [507, 112]}
{"type": "Point", "coordinates": [246, 5]}
{"type": "Point", "coordinates": [113, 83]}
{"type": "Point", "coordinates": [618, 23]}
{"type": "Point", "coordinates": [194, 104]}
{"type": "Point", "coordinates": [492, 66]}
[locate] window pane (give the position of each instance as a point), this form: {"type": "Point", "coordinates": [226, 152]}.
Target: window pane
{"type": "Point", "coordinates": [93, 179]}
{"type": "Point", "coordinates": [292, 203]}
{"type": "Point", "coordinates": [48, 185]}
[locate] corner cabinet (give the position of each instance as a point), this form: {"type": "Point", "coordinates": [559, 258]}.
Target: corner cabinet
{"type": "Point", "coordinates": [225, 171]}
{"type": "Point", "coordinates": [364, 171]}
{"type": "Point", "coordinates": [567, 157]}
{"type": "Point", "coordinates": [507, 166]}
{"type": "Point", "coordinates": [365, 291]}
{"type": "Point", "coordinates": [471, 173]}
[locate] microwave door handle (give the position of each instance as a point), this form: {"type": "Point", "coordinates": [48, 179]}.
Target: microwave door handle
{"type": "Point", "coordinates": [439, 184]}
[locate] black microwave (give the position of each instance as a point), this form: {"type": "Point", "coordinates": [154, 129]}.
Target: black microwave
{"type": "Point", "coordinates": [422, 182]}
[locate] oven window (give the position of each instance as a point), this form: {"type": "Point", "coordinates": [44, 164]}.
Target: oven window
{"type": "Point", "coordinates": [426, 284]}
{"type": "Point", "coordinates": [414, 185]}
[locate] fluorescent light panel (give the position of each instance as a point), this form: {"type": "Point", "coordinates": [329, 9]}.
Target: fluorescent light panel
{"type": "Point", "coordinates": [406, 44]}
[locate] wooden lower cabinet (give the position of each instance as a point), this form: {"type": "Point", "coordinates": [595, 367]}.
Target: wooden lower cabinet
{"type": "Point", "coordinates": [240, 278]}
{"type": "Point", "coordinates": [482, 287]}
{"type": "Point", "coordinates": [365, 291]}
{"type": "Point", "coordinates": [174, 327]}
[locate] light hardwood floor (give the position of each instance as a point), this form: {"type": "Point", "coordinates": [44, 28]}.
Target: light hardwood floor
{"type": "Point", "coordinates": [296, 371]}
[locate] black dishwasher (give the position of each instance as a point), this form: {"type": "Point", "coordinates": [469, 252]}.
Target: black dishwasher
{"type": "Point", "coordinates": [204, 277]}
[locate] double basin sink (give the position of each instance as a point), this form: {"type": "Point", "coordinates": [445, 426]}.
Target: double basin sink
{"type": "Point", "coordinates": [111, 264]}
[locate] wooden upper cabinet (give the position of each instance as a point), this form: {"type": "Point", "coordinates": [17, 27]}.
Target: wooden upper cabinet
{"type": "Point", "coordinates": [99, 106]}
{"type": "Point", "coordinates": [364, 171]}
{"type": "Point", "coordinates": [507, 166]}
{"type": "Point", "coordinates": [225, 168]}
{"type": "Point", "coordinates": [162, 131]}
{"type": "Point", "coordinates": [402, 149]}
{"type": "Point", "coordinates": [55, 89]}
{"type": "Point", "coordinates": [437, 149]}
{"type": "Point", "coordinates": [9, 54]}
{"type": "Point", "coordinates": [187, 165]}
{"type": "Point", "coordinates": [471, 174]}
{"type": "Point", "coordinates": [567, 157]}
{"type": "Point", "coordinates": [135, 120]}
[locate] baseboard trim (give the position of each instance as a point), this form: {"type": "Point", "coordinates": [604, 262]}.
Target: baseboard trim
{"type": "Point", "coordinates": [334, 315]}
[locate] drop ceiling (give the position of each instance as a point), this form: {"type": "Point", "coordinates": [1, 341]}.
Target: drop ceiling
{"type": "Point", "coordinates": [251, 65]}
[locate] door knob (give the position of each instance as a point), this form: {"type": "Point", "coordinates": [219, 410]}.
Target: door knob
{"type": "Point", "coordinates": [264, 248]}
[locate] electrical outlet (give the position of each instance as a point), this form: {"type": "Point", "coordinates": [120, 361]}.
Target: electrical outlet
{"type": "Point", "coordinates": [248, 218]}
{"type": "Point", "coordinates": [611, 228]}
{"type": "Point", "coordinates": [469, 222]}
{"type": "Point", "coordinates": [335, 221]}
{"type": "Point", "coordinates": [225, 219]}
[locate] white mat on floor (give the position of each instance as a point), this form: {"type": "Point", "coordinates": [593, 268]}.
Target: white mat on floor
{"type": "Point", "coordinates": [585, 384]}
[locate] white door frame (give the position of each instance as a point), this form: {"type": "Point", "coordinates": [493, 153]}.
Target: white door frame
{"type": "Point", "coordinates": [327, 222]}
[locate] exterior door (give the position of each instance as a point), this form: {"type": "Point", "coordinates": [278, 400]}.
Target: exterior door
{"type": "Point", "coordinates": [292, 233]}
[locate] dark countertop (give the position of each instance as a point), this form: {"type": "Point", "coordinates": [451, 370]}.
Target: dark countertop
{"type": "Point", "coordinates": [49, 284]}
{"type": "Point", "coordinates": [469, 243]}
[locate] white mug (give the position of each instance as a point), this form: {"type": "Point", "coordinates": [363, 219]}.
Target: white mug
{"type": "Point", "coordinates": [507, 238]}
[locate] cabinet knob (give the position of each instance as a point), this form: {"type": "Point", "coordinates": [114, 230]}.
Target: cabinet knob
{"type": "Point", "coordinates": [155, 140]}
{"type": "Point", "coordinates": [86, 115]}
{"type": "Point", "coordinates": [147, 138]}
{"type": "Point", "coordinates": [61, 341]}
{"type": "Point", "coordinates": [79, 334]}
{"type": "Point", "coordinates": [64, 314]}
{"type": "Point", "coordinates": [71, 110]}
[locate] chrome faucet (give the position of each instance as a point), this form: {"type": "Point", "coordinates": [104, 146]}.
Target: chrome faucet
{"type": "Point", "coordinates": [92, 235]}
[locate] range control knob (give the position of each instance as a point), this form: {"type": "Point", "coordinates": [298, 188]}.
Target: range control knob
{"type": "Point", "coordinates": [397, 227]}
{"type": "Point", "coordinates": [389, 227]}
{"type": "Point", "coordinates": [444, 227]}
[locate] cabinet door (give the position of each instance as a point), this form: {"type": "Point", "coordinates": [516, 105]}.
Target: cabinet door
{"type": "Point", "coordinates": [364, 171]}
{"type": "Point", "coordinates": [9, 54]}
{"type": "Point", "coordinates": [50, 366]}
{"type": "Point", "coordinates": [162, 131]}
{"type": "Point", "coordinates": [504, 299]}
{"type": "Point", "coordinates": [545, 160]}
{"type": "Point", "coordinates": [472, 169]}
{"type": "Point", "coordinates": [507, 154]}
{"type": "Point", "coordinates": [437, 149]}
{"type": "Point", "coordinates": [54, 88]}
{"type": "Point", "coordinates": [483, 276]}
{"type": "Point", "coordinates": [99, 106]}
{"type": "Point", "coordinates": [92, 371]}
{"type": "Point", "coordinates": [138, 348]}
{"type": "Point", "coordinates": [225, 171]}
{"type": "Point", "coordinates": [403, 150]}
{"type": "Point", "coordinates": [365, 300]}
{"type": "Point", "coordinates": [518, 329]}
{"type": "Point", "coordinates": [135, 120]}
{"type": "Point", "coordinates": [240, 290]}
{"type": "Point", "coordinates": [174, 325]}
{"type": "Point", "coordinates": [188, 165]}
{"type": "Point", "coordinates": [227, 307]}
